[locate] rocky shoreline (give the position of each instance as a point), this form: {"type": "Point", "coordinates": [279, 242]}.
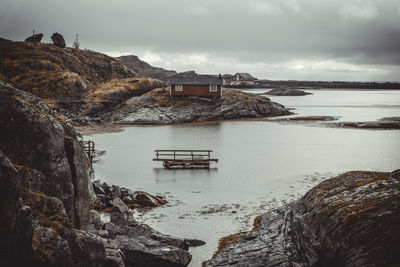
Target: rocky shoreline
{"type": "Point", "coordinates": [48, 203]}
{"type": "Point", "coordinates": [388, 123]}
{"type": "Point", "coordinates": [348, 220]}
{"type": "Point", "coordinates": [157, 107]}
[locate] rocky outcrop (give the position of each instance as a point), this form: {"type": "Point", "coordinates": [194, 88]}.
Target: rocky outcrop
{"type": "Point", "coordinates": [44, 176]}
{"type": "Point", "coordinates": [157, 107]}
{"type": "Point", "coordinates": [44, 199]}
{"type": "Point", "coordinates": [58, 40]}
{"type": "Point", "coordinates": [34, 137]}
{"type": "Point", "coordinates": [389, 123]}
{"type": "Point", "coordinates": [122, 199]}
{"type": "Point", "coordinates": [287, 92]}
{"type": "Point", "coordinates": [349, 220]}
{"type": "Point", "coordinates": [35, 38]}
{"type": "Point", "coordinates": [107, 96]}
{"type": "Point", "coordinates": [49, 71]}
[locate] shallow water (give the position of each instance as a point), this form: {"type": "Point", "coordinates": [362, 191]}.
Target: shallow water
{"type": "Point", "coordinates": [349, 105]}
{"type": "Point", "coordinates": [262, 164]}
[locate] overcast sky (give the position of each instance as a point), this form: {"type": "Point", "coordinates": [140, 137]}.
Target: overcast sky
{"type": "Point", "coordinates": [272, 39]}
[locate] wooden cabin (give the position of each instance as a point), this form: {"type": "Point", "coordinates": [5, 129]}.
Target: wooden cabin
{"type": "Point", "coordinates": [242, 76]}
{"type": "Point", "coordinates": [199, 85]}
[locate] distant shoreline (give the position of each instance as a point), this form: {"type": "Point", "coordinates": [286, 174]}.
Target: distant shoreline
{"type": "Point", "coordinates": [315, 85]}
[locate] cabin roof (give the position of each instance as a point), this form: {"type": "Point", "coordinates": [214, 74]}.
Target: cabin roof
{"type": "Point", "coordinates": [245, 75]}
{"type": "Point", "coordinates": [197, 80]}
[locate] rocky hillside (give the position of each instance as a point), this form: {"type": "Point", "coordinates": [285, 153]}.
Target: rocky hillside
{"type": "Point", "coordinates": [143, 69]}
{"type": "Point", "coordinates": [49, 71]}
{"type": "Point", "coordinates": [157, 107]}
{"type": "Point", "coordinates": [349, 220]}
{"type": "Point", "coordinates": [45, 199]}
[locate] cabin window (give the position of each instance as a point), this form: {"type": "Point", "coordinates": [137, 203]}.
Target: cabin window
{"type": "Point", "coordinates": [179, 87]}
{"type": "Point", "coordinates": [213, 88]}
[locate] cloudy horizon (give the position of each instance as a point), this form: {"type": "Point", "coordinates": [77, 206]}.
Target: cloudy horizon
{"type": "Point", "coordinates": [351, 40]}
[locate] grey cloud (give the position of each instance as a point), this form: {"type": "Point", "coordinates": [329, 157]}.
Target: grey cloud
{"type": "Point", "coordinates": [363, 33]}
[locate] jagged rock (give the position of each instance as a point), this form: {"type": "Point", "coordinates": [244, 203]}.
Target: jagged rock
{"type": "Point", "coordinates": [114, 256]}
{"type": "Point", "coordinates": [119, 205]}
{"type": "Point", "coordinates": [58, 40]}
{"type": "Point", "coordinates": [35, 38]}
{"type": "Point", "coordinates": [194, 242]}
{"type": "Point", "coordinates": [146, 200]}
{"type": "Point", "coordinates": [33, 135]}
{"type": "Point", "coordinates": [348, 220]}
{"type": "Point", "coordinates": [118, 199]}
{"type": "Point", "coordinates": [87, 249]}
{"type": "Point", "coordinates": [95, 222]}
{"type": "Point", "coordinates": [15, 221]}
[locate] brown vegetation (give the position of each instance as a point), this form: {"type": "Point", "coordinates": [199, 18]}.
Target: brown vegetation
{"type": "Point", "coordinates": [50, 72]}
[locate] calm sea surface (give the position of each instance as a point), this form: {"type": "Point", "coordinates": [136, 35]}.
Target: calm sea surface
{"type": "Point", "coordinates": [262, 164]}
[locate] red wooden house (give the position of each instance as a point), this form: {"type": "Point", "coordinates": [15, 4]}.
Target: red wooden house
{"type": "Point", "coordinates": [199, 85]}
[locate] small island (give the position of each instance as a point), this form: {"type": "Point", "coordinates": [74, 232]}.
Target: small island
{"type": "Point", "coordinates": [287, 92]}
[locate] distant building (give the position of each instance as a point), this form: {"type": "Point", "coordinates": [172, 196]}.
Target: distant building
{"type": "Point", "coordinates": [199, 85]}
{"type": "Point", "coordinates": [242, 76]}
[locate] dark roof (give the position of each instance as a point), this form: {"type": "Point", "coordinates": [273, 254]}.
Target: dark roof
{"type": "Point", "coordinates": [245, 75]}
{"type": "Point", "coordinates": [196, 80]}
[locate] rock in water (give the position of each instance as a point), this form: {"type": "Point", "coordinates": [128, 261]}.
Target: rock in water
{"type": "Point", "coordinates": [58, 40]}
{"type": "Point", "coordinates": [349, 220]}
{"type": "Point", "coordinates": [287, 92]}
{"type": "Point", "coordinates": [36, 38]}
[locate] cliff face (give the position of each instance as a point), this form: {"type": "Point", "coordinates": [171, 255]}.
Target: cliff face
{"type": "Point", "coordinates": [49, 71]}
{"type": "Point", "coordinates": [45, 203]}
{"type": "Point", "coordinates": [144, 69]}
{"type": "Point", "coordinates": [44, 176]}
{"type": "Point", "coordinates": [35, 138]}
{"type": "Point", "coordinates": [349, 220]}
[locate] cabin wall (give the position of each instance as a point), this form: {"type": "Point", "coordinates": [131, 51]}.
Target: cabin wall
{"type": "Point", "coordinates": [195, 90]}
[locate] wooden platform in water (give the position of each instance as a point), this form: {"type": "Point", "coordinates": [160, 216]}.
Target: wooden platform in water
{"type": "Point", "coordinates": [185, 159]}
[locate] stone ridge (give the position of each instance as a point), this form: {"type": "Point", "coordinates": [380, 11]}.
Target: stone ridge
{"type": "Point", "coordinates": [349, 220]}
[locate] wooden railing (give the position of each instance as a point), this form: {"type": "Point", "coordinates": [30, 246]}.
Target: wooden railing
{"type": "Point", "coordinates": [184, 155]}
{"type": "Point", "coordinates": [185, 159]}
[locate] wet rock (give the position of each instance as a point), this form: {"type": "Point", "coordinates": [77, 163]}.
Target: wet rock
{"type": "Point", "coordinates": [344, 221]}
{"type": "Point", "coordinates": [117, 198]}
{"type": "Point", "coordinates": [144, 199]}
{"type": "Point", "coordinates": [389, 123]}
{"type": "Point", "coordinates": [35, 38]}
{"type": "Point", "coordinates": [58, 40]}
{"type": "Point", "coordinates": [194, 242]}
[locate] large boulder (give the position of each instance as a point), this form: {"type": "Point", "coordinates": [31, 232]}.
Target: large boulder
{"type": "Point", "coordinates": [349, 220]}
{"type": "Point", "coordinates": [35, 38]}
{"type": "Point", "coordinates": [58, 40]}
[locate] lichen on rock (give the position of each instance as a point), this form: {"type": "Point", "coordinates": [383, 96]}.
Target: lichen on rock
{"type": "Point", "coordinates": [349, 220]}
